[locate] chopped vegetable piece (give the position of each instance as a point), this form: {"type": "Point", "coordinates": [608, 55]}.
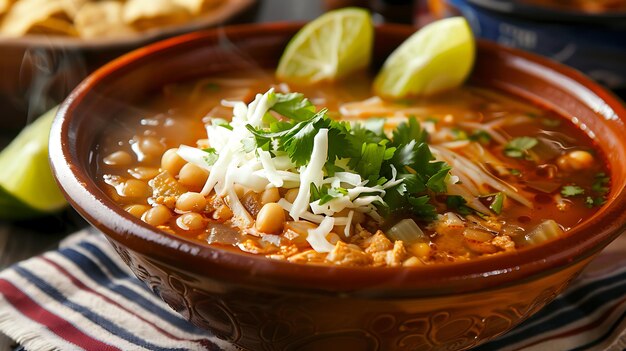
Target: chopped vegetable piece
{"type": "Point", "coordinates": [572, 190]}
{"type": "Point", "coordinates": [497, 202]}
{"type": "Point", "coordinates": [544, 186]}
{"type": "Point", "coordinates": [408, 231]}
{"type": "Point", "coordinates": [545, 231]}
{"type": "Point", "coordinates": [518, 147]}
{"type": "Point", "coordinates": [166, 185]}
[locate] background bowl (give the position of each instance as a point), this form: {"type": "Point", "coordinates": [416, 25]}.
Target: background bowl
{"type": "Point", "coordinates": [260, 304]}
{"type": "Point", "coordinates": [39, 71]}
{"type": "Point", "coordinates": [591, 42]}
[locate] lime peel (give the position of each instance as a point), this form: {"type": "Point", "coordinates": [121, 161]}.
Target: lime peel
{"type": "Point", "coordinates": [27, 187]}
{"type": "Point", "coordinates": [329, 47]}
{"type": "Point", "coordinates": [438, 57]}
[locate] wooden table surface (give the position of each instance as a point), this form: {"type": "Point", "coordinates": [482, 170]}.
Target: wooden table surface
{"type": "Point", "coordinates": [19, 241]}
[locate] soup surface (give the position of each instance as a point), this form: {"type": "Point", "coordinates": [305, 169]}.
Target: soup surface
{"type": "Point", "coordinates": [466, 174]}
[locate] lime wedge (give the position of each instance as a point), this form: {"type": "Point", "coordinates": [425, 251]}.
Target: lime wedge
{"type": "Point", "coordinates": [27, 188]}
{"type": "Point", "coordinates": [330, 47]}
{"type": "Point", "coordinates": [436, 58]}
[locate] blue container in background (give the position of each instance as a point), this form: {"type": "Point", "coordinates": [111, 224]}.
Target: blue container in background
{"type": "Point", "coordinates": [594, 43]}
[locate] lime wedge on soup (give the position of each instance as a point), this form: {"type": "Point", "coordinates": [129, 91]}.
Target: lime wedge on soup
{"type": "Point", "coordinates": [330, 47]}
{"type": "Point", "coordinates": [438, 57]}
{"type": "Point", "coordinates": [27, 187]}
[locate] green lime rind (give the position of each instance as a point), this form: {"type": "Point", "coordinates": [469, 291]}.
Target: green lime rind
{"type": "Point", "coordinates": [438, 57]}
{"type": "Point", "coordinates": [12, 209]}
{"type": "Point", "coordinates": [328, 48]}
{"type": "Point", "coordinates": [27, 187]}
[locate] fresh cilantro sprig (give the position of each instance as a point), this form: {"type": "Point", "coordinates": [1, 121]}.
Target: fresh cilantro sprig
{"type": "Point", "coordinates": [368, 150]}
{"type": "Point", "coordinates": [458, 204]}
{"type": "Point", "coordinates": [596, 196]}
{"type": "Point", "coordinates": [421, 175]}
{"type": "Point", "coordinates": [326, 193]}
{"type": "Point", "coordinates": [600, 183]}
{"type": "Point", "coordinates": [572, 190]}
{"type": "Point", "coordinates": [600, 187]}
{"type": "Point", "coordinates": [211, 156]}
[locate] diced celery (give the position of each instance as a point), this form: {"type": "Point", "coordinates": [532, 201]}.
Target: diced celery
{"type": "Point", "coordinates": [545, 231]}
{"type": "Point", "coordinates": [408, 231]}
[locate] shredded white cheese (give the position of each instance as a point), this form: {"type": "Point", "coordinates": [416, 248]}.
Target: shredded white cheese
{"type": "Point", "coordinates": [193, 155]}
{"type": "Point", "coordinates": [346, 230]}
{"type": "Point", "coordinates": [259, 107]}
{"type": "Point", "coordinates": [317, 237]}
{"type": "Point", "coordinates": [270, 169]}
{"type": "Point", "coordinates": [313, 173]}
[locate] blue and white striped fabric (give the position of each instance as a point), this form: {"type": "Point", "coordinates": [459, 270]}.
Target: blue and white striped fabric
{"type": "Point", "coordinates": [82, 297]}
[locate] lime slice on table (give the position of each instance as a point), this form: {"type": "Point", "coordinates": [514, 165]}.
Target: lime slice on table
{"type": "Point", "coordinates": [27, 188]}
{"type": "Point", "coordinates": [333, 45]}
{"type": "Point", "coordinates": [436, 58]}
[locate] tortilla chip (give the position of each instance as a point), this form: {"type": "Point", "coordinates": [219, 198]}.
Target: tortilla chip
{"type": "Point", "coordinates": [101, 19]}
{"type": "Point", "coordinates": [53, 26]}
{"type": "Point", "coordinates": [5, 5]}
{"type": "Point", "coordinates": [197, 7]}
{"type": "Point", "coordinates": [146, 14]}
{"type": "Point", "coordinates": [73, 6]}
{"type": "Point", "coordinates": [37, 16]}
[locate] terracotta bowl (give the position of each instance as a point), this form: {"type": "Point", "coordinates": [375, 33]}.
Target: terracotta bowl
{"type": "Point", "coordinates": [260, 304]}
{"type": "Point", "coordinates": [39, 71]}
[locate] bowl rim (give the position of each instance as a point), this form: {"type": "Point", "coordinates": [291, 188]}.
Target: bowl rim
{"type": "Point", "coordinates": [224, 13]}
{"type": "Point", "coordinates": [528, 263]}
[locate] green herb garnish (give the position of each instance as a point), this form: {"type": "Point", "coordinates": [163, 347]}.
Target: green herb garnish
{"type": "Point", "coordinates": [294, 106]}
{"type": "Point", "coordinates": [601, 180]}
{"type": "Point", "coordinates": [497, 202]}
{"type": "Point", "coordinates": [211, 157]}
{"type": "Point", "coordinates": [366, 150]}
{"type": "Point", "coordinates": [458, 204]}
{"type": "Point", "coordinates": [594, 201]}
{"type": "Point", "coordinates": [519, 147]}
{"type": "Point", "coordinates": [459, 134]}
{"type": "Point", "coordinates": [572, 190]}
{"type": "Point", "coordinates": [481, 136]}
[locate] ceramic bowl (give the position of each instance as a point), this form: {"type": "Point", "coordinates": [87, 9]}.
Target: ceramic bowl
{"type": "Point", "coordinates": [261, 304]}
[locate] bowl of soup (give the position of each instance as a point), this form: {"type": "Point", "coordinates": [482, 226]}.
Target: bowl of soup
{"type": "Point", "coordinates": [494, 197]}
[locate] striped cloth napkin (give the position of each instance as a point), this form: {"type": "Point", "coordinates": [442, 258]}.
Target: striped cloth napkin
{"type": "Point", "coordinates": [82, 297]}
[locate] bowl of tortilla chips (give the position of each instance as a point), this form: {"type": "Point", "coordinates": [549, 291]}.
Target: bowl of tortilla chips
{"type": "Point", "coordinates": [49, 46]}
